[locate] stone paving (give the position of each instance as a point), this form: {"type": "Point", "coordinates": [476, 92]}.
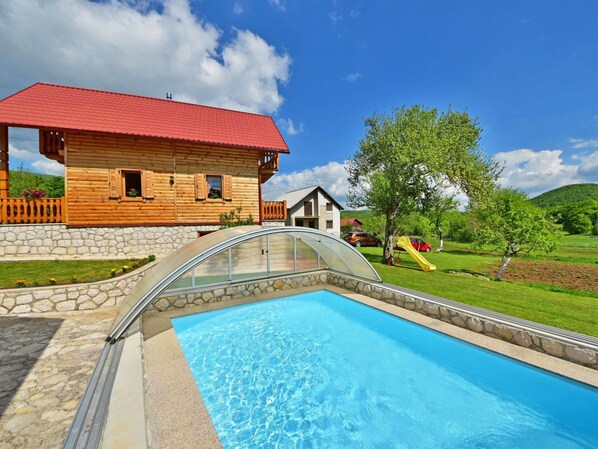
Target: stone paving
{"type": "Point", "coordinates": [46, 361]}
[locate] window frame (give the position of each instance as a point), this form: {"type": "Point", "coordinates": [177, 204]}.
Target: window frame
{"type": "Point", "coordinates": [123, 180]}
{"type": "Point", "coordinates": [331, 223]}
{"type": "Point", "coordinates": [221, 197]}
{"type": "Point", "coordinates": [329, 206]}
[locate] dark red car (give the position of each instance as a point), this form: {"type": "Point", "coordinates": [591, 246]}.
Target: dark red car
{"type": "Point", "coordinates": [420, 244]}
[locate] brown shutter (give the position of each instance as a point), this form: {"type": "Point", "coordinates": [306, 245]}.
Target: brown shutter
{"type": "Point", "coordinates": [147, 184]}
{"type": "Point", "coordinates": [201, 186]}
{"type": "Point", "coordinates": [227, 187]}
{"type": "Point", "coordinates": [115, 182]}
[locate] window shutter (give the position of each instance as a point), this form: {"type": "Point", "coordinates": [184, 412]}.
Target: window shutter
{"type": "Point", "coordinates": [201, 186]}
{"type": "Point", "coordinates": [227, 187]}
{"type": "Point", "coordinates": [147, 184]}
{"type": "Point", "coordinates": [115, 182]}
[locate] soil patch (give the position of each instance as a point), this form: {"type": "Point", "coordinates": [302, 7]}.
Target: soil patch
{"type": "Point", "coordinates": [582, 277]}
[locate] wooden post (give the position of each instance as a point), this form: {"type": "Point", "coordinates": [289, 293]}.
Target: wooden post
{"type": "Point", "coordinates": [4, 162]}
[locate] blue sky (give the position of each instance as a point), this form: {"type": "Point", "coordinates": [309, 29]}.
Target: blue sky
{"type": "Point", "coordinates": [527, 70]}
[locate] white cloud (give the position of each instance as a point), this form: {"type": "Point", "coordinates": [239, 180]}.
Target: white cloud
{"type": "Point", "coordinates": [536, 172]}
{"type": "Point", "coordinates": [124, 45]}
{"type": "Point", "coordinates": [354, 13]}
{"type": "Point", "coordinates": [583, 143]}
{"type": "Point", "coordinates": [334, 17]}
{"type": "Point", "coordinates": [352, 77]}
{"type": "Point", "coordinates": [239, 8]}
{"type": "Point", "coordinates": [49, 167]}
{"type": "Point", "coordinates": [332, 177]}
{"type": "Point", "coordinates": [22, 155]}
{"type": "Point", "coordinates": [278, 4]}
{"type": "Point", "coordinates": [289, 127]}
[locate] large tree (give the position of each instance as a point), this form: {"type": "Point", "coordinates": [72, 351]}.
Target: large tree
{"type": "Point", "coordinates": [406, 155]}
{"type": "Point", "coordinates": [514, 225]}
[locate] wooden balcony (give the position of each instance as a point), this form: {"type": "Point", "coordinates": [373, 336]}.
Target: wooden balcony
{"type": "Point", "coordinates": [22, 211]}
{"type": "Point", "coordinates": [274, 210]}
{"type": "Point", "coordinates": [268, 166]}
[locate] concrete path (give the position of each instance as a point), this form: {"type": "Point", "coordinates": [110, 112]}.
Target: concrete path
{"type": "Point", "coordinates": [46, 361]}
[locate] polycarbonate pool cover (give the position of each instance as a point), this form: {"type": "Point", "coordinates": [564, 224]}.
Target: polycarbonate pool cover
{"type": "Point", "coordinates": [237, 254]}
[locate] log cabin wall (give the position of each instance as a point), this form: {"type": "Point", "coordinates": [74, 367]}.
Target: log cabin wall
{"type": "Point", "coordinates": [91, 159]}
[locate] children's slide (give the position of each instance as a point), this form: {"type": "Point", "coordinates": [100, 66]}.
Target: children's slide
{"type": "Point", "coordinates": [405, 244]}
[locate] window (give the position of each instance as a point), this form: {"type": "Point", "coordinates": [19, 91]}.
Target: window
{"type": "Point", "coordinates": [299, 223]}
{"type": "Point", "coordinates": [328, 207]}
{"type": "Point", "coordinates": [214, 187]}
{"type": "Point", "coordinates": [132, 183]}
{"type": "Point", "coordinates": [307, 209]}
{"type": "Point", "coordinates": [329, 224]}
{"type": "Point", "coordinates": [129, 184]}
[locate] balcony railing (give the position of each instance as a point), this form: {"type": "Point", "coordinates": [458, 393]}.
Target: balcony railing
{"type": "Point", "coordinates": [274, 210]}
{"type": "Point", "coordinates": [22, 211]}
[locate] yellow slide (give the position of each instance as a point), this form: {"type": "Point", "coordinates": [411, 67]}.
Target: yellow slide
{"type": "Point", "coordinates": [405, 244]}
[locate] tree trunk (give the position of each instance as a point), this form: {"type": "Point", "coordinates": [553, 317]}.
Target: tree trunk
{"type": "Point", "coordinates": [503, 266]}
{"type": "Point", "coordinates": [441, 246]}
{"type": "Point", "coordinates": [389, 233]}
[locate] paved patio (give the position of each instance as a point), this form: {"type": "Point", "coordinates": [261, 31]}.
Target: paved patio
{"type": "Point", "coordinates": [46, 361]}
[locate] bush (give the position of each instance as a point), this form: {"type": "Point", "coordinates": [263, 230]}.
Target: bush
{"type": "Point", "coordinates": [20, 283]}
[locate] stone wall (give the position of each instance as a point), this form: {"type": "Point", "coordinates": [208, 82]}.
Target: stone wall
{"type": "Point", "coordinates": [47, 241]}
{"type": "Point", "coordinates": [548, 343]}
{"type": "Point", "coordinates": [59, 298]}
{"type": "Point", "coordinates": [225, 293]}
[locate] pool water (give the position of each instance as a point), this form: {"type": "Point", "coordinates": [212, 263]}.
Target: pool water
{"type": "Point", "coordinates": [318, 370]}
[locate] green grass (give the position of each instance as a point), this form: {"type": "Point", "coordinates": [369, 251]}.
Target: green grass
{"type": "Point", "coordinates": [39, 271]}
{"type": "Point", "coordinates": [565, 310]}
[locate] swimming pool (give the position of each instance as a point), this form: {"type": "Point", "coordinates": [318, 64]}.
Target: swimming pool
{"type": "Point", "coordinates": [318, 370]}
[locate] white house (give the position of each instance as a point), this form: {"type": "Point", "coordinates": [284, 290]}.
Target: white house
{"type": "Point", "coordinates": [313, 207]}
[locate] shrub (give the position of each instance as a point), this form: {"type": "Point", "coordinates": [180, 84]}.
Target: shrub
{"type": "Point", "coordinates": [151, 258]}
{"type": "Point", "coordinates": [52, 281]}
{"type": "Point", "coordinates": [74, 279]}
{"type": "Point", "coordinates": [20, 283]}
{"type": "Point", "coordinates": [113, 272]}
{"type": "Point", "coordinates": [126, 268]}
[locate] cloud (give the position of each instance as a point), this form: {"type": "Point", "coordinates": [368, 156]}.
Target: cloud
{"type": "Point", "coordinates": [22, 155]}
{"type": "Point", "coordinates": [536, 172]}
{"type": "Point", "coordinates": [289, 127]}
{"type": "Point", "coordinates": [332, 177]}
{"type": "Point", "coordinates": [352, 77]}
{"type": "Point", "coordinates": [583, 143]}
{"type": "Point", "coordinates": [354, 13]}
{"type": "Point", "coordinates": [239, 8]}
{"type": "Point", "coordinates": [334, 17]}
{"type": "Point", "coordinates": [49, 167]}
{"type": "Point", "coordinates": [278, 4]}
{"type": "Point", "coordinates": [135, 46]}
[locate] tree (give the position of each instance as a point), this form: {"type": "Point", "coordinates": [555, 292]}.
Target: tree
{"type": "Point", "coordinates": [439, 203]}
{"type": "Point", "coordinates": [405, 155]}
{"type": "Point", "coordinates": [514, 225]}
{"type": "Point", "coordinates": [346, 228]}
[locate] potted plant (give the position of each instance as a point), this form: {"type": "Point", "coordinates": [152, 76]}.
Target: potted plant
{"type": "Point", "coordinates": [132, 192]}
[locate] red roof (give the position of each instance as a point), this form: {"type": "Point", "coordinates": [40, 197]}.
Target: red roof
{"type": "Point", "coordinates": [72, 108]}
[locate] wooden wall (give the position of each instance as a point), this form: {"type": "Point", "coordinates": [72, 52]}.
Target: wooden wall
{"type": "Point", "coordinates": [91, 156]}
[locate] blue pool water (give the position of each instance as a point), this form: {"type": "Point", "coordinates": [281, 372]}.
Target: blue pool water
{"type": "Point", "coordinates": [320, 371]}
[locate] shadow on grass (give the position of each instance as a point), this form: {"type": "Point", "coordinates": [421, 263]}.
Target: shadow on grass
{"type": "Point", "coordinates": [22, 341]}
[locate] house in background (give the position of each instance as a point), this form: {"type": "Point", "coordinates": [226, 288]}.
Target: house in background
{"type": "Point", "coordinates": [313, 207]}
{"type": "Point", "coordinates": [355, 224]}
{"type": "Point", "coordinates": [138, 162]}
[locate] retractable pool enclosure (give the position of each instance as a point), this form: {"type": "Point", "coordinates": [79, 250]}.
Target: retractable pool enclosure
{"type": "Point", "coordinates": [241, 254]}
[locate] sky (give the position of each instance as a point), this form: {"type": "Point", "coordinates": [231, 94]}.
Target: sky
{"type": "Point", "coordinates": [528, 71]}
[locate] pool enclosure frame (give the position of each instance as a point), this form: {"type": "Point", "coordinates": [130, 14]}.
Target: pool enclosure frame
{"type": "Point", "coordinates": [193, 254]}
{"type": "Point", "coordinates": [333, 254]}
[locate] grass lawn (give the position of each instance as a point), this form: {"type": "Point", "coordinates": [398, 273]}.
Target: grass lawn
{"type": "Point", "coordinates": [39, 271]}
{"type": "Point", "coordinates": [576, 311]}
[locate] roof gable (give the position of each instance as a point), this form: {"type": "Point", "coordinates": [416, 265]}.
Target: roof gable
{"type": "Point", "coordinates": [71, 108]}
{"type": "Point", "coordinates": [297, 196]}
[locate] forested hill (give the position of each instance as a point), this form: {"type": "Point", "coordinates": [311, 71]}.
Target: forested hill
{"type": "Point", "coordinates": [19, 180]}
{"type": "Point", "coordinates": [565, 195]}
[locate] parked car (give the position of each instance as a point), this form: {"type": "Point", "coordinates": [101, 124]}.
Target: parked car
{"type": "Point", "coordinates": [362, 239]}
{"type": "Point", "coordinates": [419, 244]}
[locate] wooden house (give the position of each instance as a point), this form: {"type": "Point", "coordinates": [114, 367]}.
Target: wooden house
{"type": "Point", "coordinates": [139, 161]}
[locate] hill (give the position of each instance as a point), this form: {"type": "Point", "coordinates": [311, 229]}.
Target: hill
{"type": "Point", "coordinates": [566, 195]}
{"type": "Point", "coordinates": [20, 180]}
{"type": "Point", "coordinates": [361, 215]}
